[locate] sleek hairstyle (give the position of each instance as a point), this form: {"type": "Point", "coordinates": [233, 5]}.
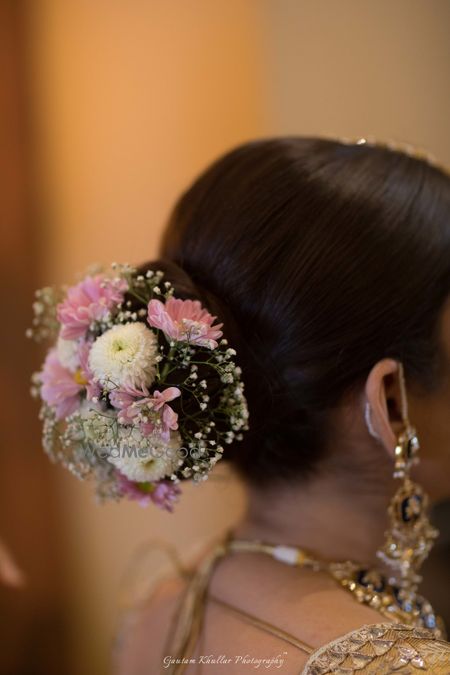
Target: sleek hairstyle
{"type": "Point", "coordinates": [321, 258]}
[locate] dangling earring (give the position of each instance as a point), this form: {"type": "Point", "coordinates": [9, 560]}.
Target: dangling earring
{"type": "Point", "coordinates": [410, 535]}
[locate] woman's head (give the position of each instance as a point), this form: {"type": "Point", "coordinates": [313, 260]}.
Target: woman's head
{"type": "Point", "coordinates": [322, 258]}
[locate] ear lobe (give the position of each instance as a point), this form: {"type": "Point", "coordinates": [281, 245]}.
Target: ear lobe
{"type": "Point", "coordinates": [379, 381]}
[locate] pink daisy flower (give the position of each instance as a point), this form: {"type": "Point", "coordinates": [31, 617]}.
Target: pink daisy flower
{"type": "Point", "coordinates": [184, 321]}
{"type": "Point", "coordinates": [90, 300]}
{"type": "Point", "coordinates": [60, 388]}
{"type": "Point", "coordinates": [164, 493]}
{"type": "Point", "coordinates": [128, 401]}
{"type": "Point", "coordinates": [168, 417]}
{"type": "Point", "coordinates": [131, 402]}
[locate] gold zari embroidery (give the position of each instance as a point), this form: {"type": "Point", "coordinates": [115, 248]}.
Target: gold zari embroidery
{"type": "Point", "coordinates": [382, 649]}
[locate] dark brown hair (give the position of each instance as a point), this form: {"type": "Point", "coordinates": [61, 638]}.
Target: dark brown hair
{"type": "Point", "coordinates": [320, 258]}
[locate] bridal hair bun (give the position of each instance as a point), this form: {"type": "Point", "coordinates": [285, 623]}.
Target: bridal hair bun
{"type": "Point", "coordinates": [140, 390]}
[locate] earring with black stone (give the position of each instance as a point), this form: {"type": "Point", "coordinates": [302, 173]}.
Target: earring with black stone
{"type": "Point", "coordinates": [410, 535]}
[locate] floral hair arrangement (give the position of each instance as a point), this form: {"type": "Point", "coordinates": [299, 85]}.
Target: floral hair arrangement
{"type": "Point", "coordinates": [138, 391]}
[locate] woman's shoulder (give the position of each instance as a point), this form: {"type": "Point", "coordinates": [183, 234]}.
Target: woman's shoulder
{"type": "Point", "coordinates": [381, 649]}
{"type": "Point", "coordinates": [142, 637]}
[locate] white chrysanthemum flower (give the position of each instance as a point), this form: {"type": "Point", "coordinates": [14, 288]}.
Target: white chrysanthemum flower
{"type": "Point", "coordinates": [146, 459]}
{"type": "Point", "coordinates": [124, 355]}
{"type": "Point", "coordinates": [68, 356]}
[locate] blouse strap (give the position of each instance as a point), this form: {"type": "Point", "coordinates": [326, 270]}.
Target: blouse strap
{"type": "Point", "coordinates": [188, 620]}
{"type": "Point", "coordinates": [264, 625]}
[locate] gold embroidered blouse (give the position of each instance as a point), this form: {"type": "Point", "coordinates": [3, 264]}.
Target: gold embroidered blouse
{"type": "Point", "coordinates": [380, 649]}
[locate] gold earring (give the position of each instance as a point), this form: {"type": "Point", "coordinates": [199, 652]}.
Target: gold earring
{"type": "Point", "coordinates": [410, 535]}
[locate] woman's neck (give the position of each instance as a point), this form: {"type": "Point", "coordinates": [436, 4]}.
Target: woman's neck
{"type": "Point", "coordinates": [331, 520]}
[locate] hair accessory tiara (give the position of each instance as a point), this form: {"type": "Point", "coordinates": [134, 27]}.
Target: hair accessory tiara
{"type": "Point", "coordinates": [138, 391]}
{"type": "Point", "coordinates": [399, 146]}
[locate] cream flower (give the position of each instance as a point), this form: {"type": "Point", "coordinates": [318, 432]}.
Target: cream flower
{"type": "Point", "coordinates": [146, 459]}
{"type": "Point", "coordinates": [124, 355]}
{"type": "Point", "coordinates": [68, 355]}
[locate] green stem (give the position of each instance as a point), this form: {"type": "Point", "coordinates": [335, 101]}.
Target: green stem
{"type": "Point", "coordinates": [166, 368]}
{"type": "Point", "coordinates": [138, 297]}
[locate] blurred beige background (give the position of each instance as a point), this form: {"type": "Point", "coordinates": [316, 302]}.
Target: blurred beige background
{"type": "Point", "coordinates": [121, 105]}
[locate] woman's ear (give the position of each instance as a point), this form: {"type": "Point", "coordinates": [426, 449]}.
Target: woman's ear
{"type": "Point", "coordinates": [383, 396]}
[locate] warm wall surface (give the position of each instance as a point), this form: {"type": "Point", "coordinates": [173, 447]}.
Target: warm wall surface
{"type": "Point", "coordinates": [132, 100]}
{"type": "Point", "coordinates": [353, 68]}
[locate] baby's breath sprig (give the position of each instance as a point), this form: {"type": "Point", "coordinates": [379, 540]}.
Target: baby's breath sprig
{"type": "Point", "coordinates": [45, 325]}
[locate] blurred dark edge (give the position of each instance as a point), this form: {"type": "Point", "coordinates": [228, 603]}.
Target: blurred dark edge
{"type": "Point", "coordinates": [33, 620]}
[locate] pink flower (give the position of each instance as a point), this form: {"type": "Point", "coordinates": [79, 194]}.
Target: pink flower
{"type": "Point", "coordinates": [168, 417]}
{"type": "Point", "coordinates": [184, 321]}
{"type": "Point", "coordinates": [60, 388]}
{"type": "Point", "coordinates": [163, 494]}
{"type": "Point", "coordinates": [134, 402]}
{"type": "Point", "coordinates": [122, 398]}
{"type": "Point", "coordinates": [90, 300]}
{"type": "Point", "coordinates": [129, 401]}
{"type": "Point", "coordinates": [130, 489]}
{"type": "Point", "coordinates": [159, 399]}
